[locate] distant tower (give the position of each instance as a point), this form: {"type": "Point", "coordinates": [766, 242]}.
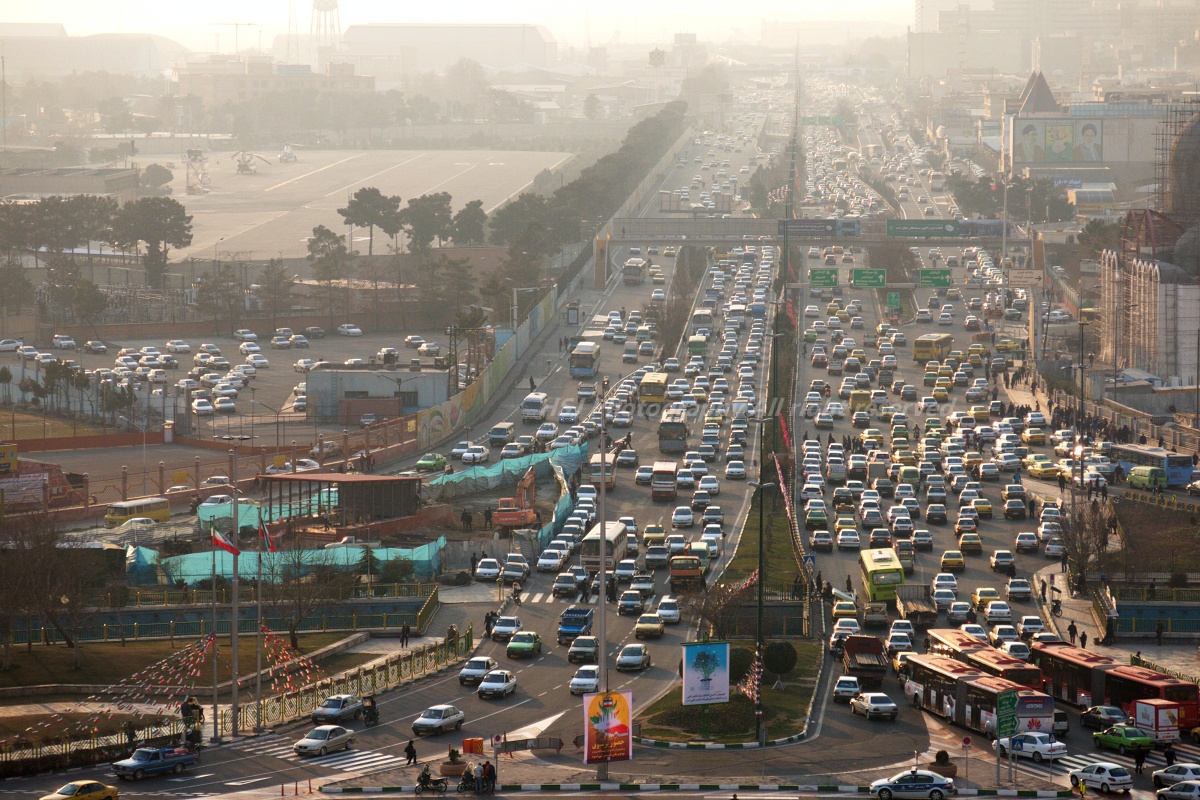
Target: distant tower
{"type": "Point", "coordinates": [293, 33]}
{"type": "Point", "coordinates": [326, 26]}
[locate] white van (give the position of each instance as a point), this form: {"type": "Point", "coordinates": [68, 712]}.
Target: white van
{"type": "Point", "coordinates": [534, 407]}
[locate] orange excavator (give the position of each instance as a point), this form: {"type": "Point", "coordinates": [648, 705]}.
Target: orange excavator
{"type": "Point", "coordinates": [518, 511]}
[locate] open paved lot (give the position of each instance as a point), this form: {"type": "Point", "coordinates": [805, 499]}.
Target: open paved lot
{"type": "Point", "coordinates": [272, 212]}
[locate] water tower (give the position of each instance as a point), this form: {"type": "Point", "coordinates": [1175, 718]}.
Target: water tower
{"type": "Point", "coordinates": [326, 26]}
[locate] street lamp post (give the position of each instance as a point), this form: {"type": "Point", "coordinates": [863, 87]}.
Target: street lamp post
{"type": "Point", "coordinates": [142, 429]}
{"type": "Point", "coordinates": [255, 402]}
{"type": "Point", "coordinates": [758, 487]}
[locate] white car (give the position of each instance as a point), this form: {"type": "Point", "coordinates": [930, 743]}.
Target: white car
{"type": "Point", "coordinates": [349, 329]}
{"type": "Point", "coordinates": [551, 561]}
{"type": "Point", "coordinates": [245, 335]}
{"type": "Point", "coordinates": [710, 484]}
{"type": "Point", "coordinates": [258, 361]}
{"type": "Point", "coordinates": [735, 471]}
{"type": "Point", "coordinates": [248, 347]}
{"type": "Point", "coordinates": [304, 365]}
{"type": "Point", "coordinates": [202, 407]}
{"type": "Point", "coordinates": [1037, 746]}
{"type": "Point", "coordinates": [488, 569]}
{"type": "Point", "coordinates": [1103, 775]}
{"type": "Point", "coordinates": [477, 454]}
{"type": "Point", "coordinates": [178, 346]}
{"type": "Point", "coordinates": [460, 448]}
{"type": "Point", "coordinates": [568, 415]}
{"type": "Point", "coordinates": [997, 611]}
{"type": "Point", "coordinates": [683, 517]}
{"type": "Point", "coordinates": [586, 679]}
{"type": "Point", "coordinates": [474, 670]}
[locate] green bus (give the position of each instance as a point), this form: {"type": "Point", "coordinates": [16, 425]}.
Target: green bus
{"type": "Point", "coordinates": [697, 345]}
{"type": "Point", "coordinates": [882, 572]}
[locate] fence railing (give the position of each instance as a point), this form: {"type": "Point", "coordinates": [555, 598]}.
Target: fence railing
{"type": "Point", "coordinates": [1148, 664]}
{"type": "Point", "coordinates": [246, 594]}
{"type": "Point", "coordinates": [194, 629]}
{"type": "Point", "coordinates": [1142, 594]}
{"type": "Point", "coordinates": [396, 670]}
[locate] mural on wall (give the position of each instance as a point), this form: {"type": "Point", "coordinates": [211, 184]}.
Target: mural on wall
{"type": "Point", "coordinates": [451, 417]}
{"type": "Point", "coordinates": [1056, 141]}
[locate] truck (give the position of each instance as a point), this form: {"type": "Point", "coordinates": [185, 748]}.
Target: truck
{"type": "Point", "coordinates": [913, 604]}
{"type": "Point", "coordinates": [574, 622]}
{"type": "Point", "coordinates": [154, 761]}
{"type": "Point", "coordinates": [1159, 719]}
{"type": "Point", "coordinates": [686, 573]}
{"type": "Point", "coordinates": [865, 658]}
{"type": "Point", "coordinates": [875, 615]}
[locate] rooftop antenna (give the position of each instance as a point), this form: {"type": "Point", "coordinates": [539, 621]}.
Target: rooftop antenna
{"type": "Point", "coordinates": [237, 27]}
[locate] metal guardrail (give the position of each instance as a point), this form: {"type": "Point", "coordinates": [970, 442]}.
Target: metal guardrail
{"type": "Point", "coordinates": [246, 594]}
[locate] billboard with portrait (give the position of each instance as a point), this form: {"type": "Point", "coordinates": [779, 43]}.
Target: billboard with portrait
{"type": "Point", "coordinates": [705, 673]}
{"type": "Point", "coordinates": [1055, 141]}
{"type": "Point", "coordinates": [608, 727]}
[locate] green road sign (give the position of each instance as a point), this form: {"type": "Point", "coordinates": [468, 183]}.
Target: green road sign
{"type": "Point", "coordinates": [868, 278]}
{"type": "Point", "coordinates": [935, 277]}
{"type": "Point", "coordinates": [1006, 714]}
{"type": "Point", "coordinates": [823, 278]}
{"type": "Point", "coordinates": [893, 299]}
{"type": "Point", "coordinates": [922, 228]}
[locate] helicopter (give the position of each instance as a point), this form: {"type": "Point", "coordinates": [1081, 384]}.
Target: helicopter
{"type": "Point", "coordinates": [288, 155]}
{"type": "Point", "coordinates": [245, 162]}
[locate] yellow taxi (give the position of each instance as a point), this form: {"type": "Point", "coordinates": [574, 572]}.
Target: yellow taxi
{"type": "Point", "coordinates": [976, 350]}
{"type": "Point", "coordinates": [658, 278]}
{"type": "Point", "coordinates": [980, 413]}
{"type": "Point", "coordinates": [972, 459]}
{"type": "Point", "coordinates": [906, 457]}
{"type": "Point", "coordinates": [649, 626]}
{"type": "Point", "coordinates": [983, 507]}
{"type": "Point", "coordinates": [970, 543]}
{"type": "Point", "coordinates": [953, 294]}
{"type": "Point", "coordinates": [1007, 345]}
{"type": "Point", "coordinates": [843, 315]}
{"type": "Point", "coordinates": [975, 361]}
{"type": "Point", "coordinates": [701, 394]}
{"type": "Point", "coordinates": [1045, 470]}
{"type": "Point", "coordinates": [832, 309]}
{"type": "Point", "coordinates": [714, 414]}
{"type": "Point", "coordinates": [84, 790]}
{"type": "Point", "coordinates": [846, 609]}
{"type": "Point", "coordinates": [1033, 458]}
{"type": "Point", "coordinates": [946, 371]}
{"type": "Point", "coordinates": [1033, 436]}
{"type": "Point", "coordinates": [859, 353]}
{"type": "Point", "coordinates": [952, 560]}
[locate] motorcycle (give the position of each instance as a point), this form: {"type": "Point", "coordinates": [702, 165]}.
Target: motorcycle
{"type": "Point", "coordinates": [467, 784]}
{"type": "Point", "coordinates": [370, 711]}
{"type": "Point", "coordinates": [428, 783]}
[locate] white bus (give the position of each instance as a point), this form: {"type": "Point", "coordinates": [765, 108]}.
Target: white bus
{"type": "Point", "coordinates": [534, 407]}
{"type": "Point", "coordinates": [617, 545]}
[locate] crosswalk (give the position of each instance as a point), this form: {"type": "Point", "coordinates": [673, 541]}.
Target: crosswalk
{"type": "Point", "coordinates": [342, 761]}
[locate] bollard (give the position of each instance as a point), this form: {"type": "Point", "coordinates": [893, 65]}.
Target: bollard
{"type": "Point", "coordinates": [282, 791]}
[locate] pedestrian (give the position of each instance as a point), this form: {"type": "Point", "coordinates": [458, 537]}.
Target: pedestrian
{"type": "Point", "coordinates": [1110, 632]}
{"type": "Point", "coordinates": [465, 519]}
{"type": "Point", "coordinates": [1091, 486]}
{"type": "Point", "coordinates": [1158, 632]}
{"type": "Point", "coordinates": [487, 519]}
{"type": "Point", "coordinates": [1043, 591]}
{"type": "Point", "coordinates": [405, 632]}
{"type": "Point", "coordinates": [488, 621]}
{"type": "Point", "coordinates": [479, 779]}
{"type": "Point", "coordinates": [1072, 631]}
{"type": "Point", "coordinates": [532, 383]}
{"type": "Point", "coordinates": [1139, 759]}
{"type": "Point", "coordinates": [1031, 506]}
{"type": "Point", "coordinates": [796, 585]}
{"type": "Point", "coordinates": [1169, 754]}
{"type": "Point", "coordinates": [1104, 492]}
{"type": "Point", "coordinates": [1063, 562]}
{"type": "Point", "coordinates": [1151, 592]}
{"type": "Point", "coordinates": [474, 562]}
{"type": "Point", "coordinates": [489, 775]}
{"type": "Point", "coordinates": [1083, 640]}
{"type": "Point", "coordinates": [411, 752]}
{"type": "Point", "coordinates": [849, 585]}
{"type": "Point", "coordinates": [819, 584]}
{"type": "Point", "coordinates": [1062, 483]}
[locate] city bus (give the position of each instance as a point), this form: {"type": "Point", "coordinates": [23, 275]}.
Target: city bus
{"type": "Point", "coordinates": [1123, 685]}
{"type": "Point", "coordinates": [881, 572]}
{"type": "Point", "coordinates": [673, 431]}
{"type": "Point", "coordinates": [1002, 665]}
{"type": "Point", "coordinates": [932, 347]}
{"type": "Point", "coordinates": [937, 181]}
{"type": "Point", "coordinates": [608, 469]}
{"type": "Point", "coordinates": [663, 480]}
{"type": "Point", "coordinates": [954, 643]}
{"type": "Point", "coordinates": [634, 271]}
{"type": "Point", "coordinates": [534, 407]}
{"type": "Point", "coordinates": [616, 546]}
{"type": "Point", "coordinates": [653, 388]}
{"type": "Point", "coordinates": [701, 318]}
{"type": "Point", "coordinates": [585, 360]}
{"type": "Point", "coordinates": [1071, 674]}
{"type": "Point", "coordinates": [155, 508]}
{"type": "Point", "coordinates": [1178, 467]}
{"type": "Point", "coordinates": [697, 345]}
{"type": "Point", "coordinates": [967, 697]}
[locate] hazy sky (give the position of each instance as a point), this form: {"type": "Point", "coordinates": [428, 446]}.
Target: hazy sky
{"type": "Point", "coordinates": [195, 24]}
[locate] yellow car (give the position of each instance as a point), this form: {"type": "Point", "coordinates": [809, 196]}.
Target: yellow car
{"type": "Point", "coordinates": [701, 395]}
{"type": "Point", "coordinates": [983, 506]}
{"type": "Point", "coordinates": [941, 395]}
{"type": "Point", "coordinates": [649, 626]}
{"type": "Point", "coordinates": [906, 457]}
{"type": "Point", "coordinates": [956, 356]}
{"type": "Point", "coordinates": [981, 413]}
{"type": "Point", "coordinates": [976, 350]}
{"type": "Point", "coordinates": [975, 360]}
{"type": "Point", "coordinates": [1045, 470]}
{"type": "Point", "coordinates": [953, 294]}
{"type": "Point", "coordinates": [971, 543]}
{"type": "Point", "coordinates": [972, 459]}
{"type": "Point", "coordinates": [1033, 436]}
{"type": "Point", "coordinates": [654, 534]}
{"type": "Point", "coordinates": [870, 433]}
{"type": "Point", "coordinates": [832, 309]}
{"type": "Point", "coordinates": [952, 560]}
{"type": "Point", "coordinates": [945, 383]}
{"type": "Point", "coordinates": [946, 372]}
{"type": "Point", "coordinates": [859, 353]}
{"type": "Point", "coordinates": [1007, 345]}
{"type": "Point", "coordinates": [83, 790]}
{"type": "Point", "coordinates": [845, 609]}
{"type": "Point", "coordinates": [984, 595]}
{"type": "Point", "coordinates": [843, 315]}
{"type": "Point", "coordinates": [714, 415]}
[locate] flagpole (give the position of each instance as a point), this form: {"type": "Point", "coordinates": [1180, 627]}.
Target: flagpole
{"type": "Point", "coordinates": [262, 547]}
{"type": "Point", "coordinates": [233, 625]}
{"type": "Point", "coordinates": [213, 587]}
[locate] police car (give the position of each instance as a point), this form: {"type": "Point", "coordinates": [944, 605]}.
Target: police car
{"type": "Point", "coordinates": [915, 783]}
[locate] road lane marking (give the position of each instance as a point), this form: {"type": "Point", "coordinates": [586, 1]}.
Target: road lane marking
{"type": "Point", "coordinates": [312, 172]}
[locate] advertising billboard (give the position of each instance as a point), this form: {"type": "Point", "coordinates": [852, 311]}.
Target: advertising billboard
{"type": "Point", "coordinates": [1057, 141]}
{"type": "Point", "coordinates": [608, 727]}
{"type": "Point", "coordinates": [807, 227]}
{"type": "Point", "coordinates": [922, 228]}
{"type": "Point", "coordinates": [705, 673]}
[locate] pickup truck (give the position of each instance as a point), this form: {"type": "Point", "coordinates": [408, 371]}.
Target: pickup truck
{"type": "Point", "coordinates": [154, 761]}
{"type": "Point", "coordinates": [865, 658]}
{"type": "Point", "coordinates": [875, 615]}
{"type": "Point", "coordinates": [574, 622]}
{"type": "Point", "coordinates": [586, 393]}
{"type": "Point", "coordinates": [914, 605]}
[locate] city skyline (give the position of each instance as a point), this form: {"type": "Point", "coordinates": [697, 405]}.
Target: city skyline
{"type": "Point", "coordinates": [210, 28]}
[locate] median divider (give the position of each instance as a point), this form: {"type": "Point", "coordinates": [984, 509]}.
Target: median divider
{"type": "Point", "coordinates": [697, 787]}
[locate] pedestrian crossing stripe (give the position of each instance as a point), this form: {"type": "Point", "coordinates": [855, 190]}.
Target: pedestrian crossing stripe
{"type": "Point", "coordinates": [1073, 761]}
{"type": "Point", "coordinates": [342, 760]}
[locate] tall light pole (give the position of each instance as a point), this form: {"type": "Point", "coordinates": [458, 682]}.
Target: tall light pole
{"type": "Point", "coordinates": [758, 487]}
{"type": "Point", "coordinates": [602, 593]}
{"type": "Point", "coordinates": [142, 428]}
{"type": "Point", "coordinates": [255, 402]}
{"type": "Point", "coordinates": [399, 397]}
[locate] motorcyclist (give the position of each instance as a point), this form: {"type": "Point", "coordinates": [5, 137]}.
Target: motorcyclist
{"type": "Point", "coordinates": [516, 593]}
{"type": "Point", "coordinates": [425, 778]}
{"type": "Point", "coordinates": [370, 710]}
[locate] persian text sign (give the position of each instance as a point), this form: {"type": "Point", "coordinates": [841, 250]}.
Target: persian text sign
{"type": "Point", "coordinates": [705, 673]}
{"type": "Point", "coordinates": [608, 727]}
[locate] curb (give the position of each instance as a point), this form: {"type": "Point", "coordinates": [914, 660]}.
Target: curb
{"type": "Point", "coordinates": [717, 746]}
{"type": "Point", "coordinates": [697, 787]}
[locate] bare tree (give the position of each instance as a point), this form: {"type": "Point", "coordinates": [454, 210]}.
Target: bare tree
{"type": "Point", "coordinates": [296, 581]}
{"type": "Point", "coordinates": [1086, 533]}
